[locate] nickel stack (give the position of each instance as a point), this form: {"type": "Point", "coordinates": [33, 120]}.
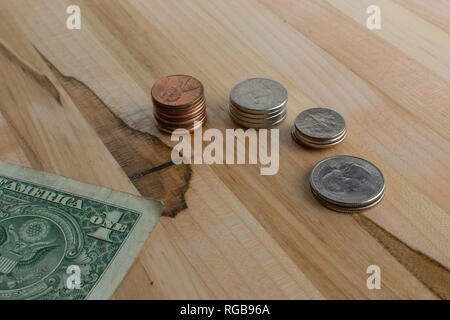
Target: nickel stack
{"type": "Point", "coordinates": [179, 103]}
{"type": "Point", "coordinates": [258, 103]}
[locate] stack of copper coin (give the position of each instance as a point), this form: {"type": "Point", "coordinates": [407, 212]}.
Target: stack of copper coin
{"type": "Point", "coordinates": [179, 103]}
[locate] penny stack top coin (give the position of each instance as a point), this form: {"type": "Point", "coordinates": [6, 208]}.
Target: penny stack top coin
{"type": "Point", "coordinates": [178, 102]}
{"type": "Point", "coordinates": [258, 103]}
{"type": "Point", "coordinates": [347, 184]}
{"type": "Point", "coordinates": [319, 128]}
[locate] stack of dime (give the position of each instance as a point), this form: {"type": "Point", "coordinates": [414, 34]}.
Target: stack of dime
{"type": "Point", "coordinates": [179, 102]}
{"type": "Point", "coordinates": [258, 103]}
{"type": "Point", "coordinates": [347, 184]}
{"type": "Point", "coordinates": [319, 128]}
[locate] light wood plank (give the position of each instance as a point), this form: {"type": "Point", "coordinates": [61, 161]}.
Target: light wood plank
{"type": "Point", "coordinates": [406, 31]}
{"type": "Point", "coordinates": [242, 235]}
{"type": "Point", "coordinates": [438, 13]}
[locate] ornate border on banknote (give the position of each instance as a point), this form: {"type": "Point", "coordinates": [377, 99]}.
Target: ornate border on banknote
{"type": "Point", "coordinates": [63, 239]}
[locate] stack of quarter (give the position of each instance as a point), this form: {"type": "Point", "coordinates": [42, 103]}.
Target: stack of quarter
{"type": "Point", "coordinates": [347, 184]}
{"type": "Point", "coordinates": [179, 102]}
{"type": "Point", "coordinates": [258, 103]}
{"type": "Point", "coordinates": [319, 128]}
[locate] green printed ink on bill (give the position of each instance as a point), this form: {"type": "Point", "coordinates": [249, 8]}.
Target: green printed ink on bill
{"type": "Point", "coordinates": [62, 239]}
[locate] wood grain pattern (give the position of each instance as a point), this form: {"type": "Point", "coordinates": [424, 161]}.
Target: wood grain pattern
{"type": "Point", "coordinates": [438, 13]}
{"type": "Point", "coordinates": [418, 39]}
{"type": "Point", "coordinates": [76, 102]}
{"type": "Point", "coordinates": [139, 154]}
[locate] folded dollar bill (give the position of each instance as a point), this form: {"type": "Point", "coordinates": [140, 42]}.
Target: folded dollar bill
{"type": "Point", "coordinates": [64, 239]}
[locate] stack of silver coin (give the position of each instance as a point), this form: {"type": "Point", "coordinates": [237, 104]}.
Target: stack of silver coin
{"type": "Point", "coordinates": [347, 184]}
{"type": "Point", "coordinates": [258, 103]}
{"type": "Point", "coordinates": [319, 128]}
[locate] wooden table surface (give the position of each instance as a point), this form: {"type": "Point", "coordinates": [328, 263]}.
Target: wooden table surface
{"type": "Point", "coordinates": [76, 102]}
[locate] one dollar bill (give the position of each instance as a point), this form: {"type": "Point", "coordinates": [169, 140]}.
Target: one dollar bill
{"type": "Point", "coordinates": [63, 239]}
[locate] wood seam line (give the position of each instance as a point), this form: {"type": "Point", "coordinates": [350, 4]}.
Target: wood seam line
{"type": "Point", "coordinates": [432, 274]}
{"type": "Point", "coordinates": [134, 177]}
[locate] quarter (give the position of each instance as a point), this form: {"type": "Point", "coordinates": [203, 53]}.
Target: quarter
{"type": "Point", "coordinates": [347, 181]}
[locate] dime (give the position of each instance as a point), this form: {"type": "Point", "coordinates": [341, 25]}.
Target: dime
{"type": "Point", "coordinates": [178, 102]}
{"type": "Point", "coordinates": [319, 128]}
{"type": "Point", "coordinates": [320, 123]}
{"type": "Point", "coordinates": [258, 103]}
{"type": "Point", "coordinates": [347, 182]}
{"type": "Point", "coordinates": [317, 144]}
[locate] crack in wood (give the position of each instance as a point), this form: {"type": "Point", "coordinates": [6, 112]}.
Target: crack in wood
{"type": "Point", "coordinates": [155, 169]}
{"type": "Point", "coordinates": [134, 150]}
{"type": "Point", "coordinates": [431, 273]}
{"type": "Point", "coordinates": [41, 79]}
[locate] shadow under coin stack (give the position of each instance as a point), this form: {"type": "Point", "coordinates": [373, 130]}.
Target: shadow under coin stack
{"type": "Point", "coordinates": [347, 184]}
{"type": "Point", "coordinates": [179, 103]}
{"type": "Point", "coordinates": [258, 103]}
{"type": "Point", "coordinates": [319, 128]}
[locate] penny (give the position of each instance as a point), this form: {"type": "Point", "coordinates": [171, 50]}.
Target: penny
{"type": "Point", "coordinates": [180, 109]}
{"type": "Point", "coordinates": [347, 181]}
{"type": "Point", "coordinates": [179, 115]}
{"type": "Point", "coordinates": [177, 90]}
{"type": "Point", "coordinates": [180, 123]}
{"type": "Point", "coordinates": [189, 128]}
{"type": "Point", "coordinates": [178, 102]}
